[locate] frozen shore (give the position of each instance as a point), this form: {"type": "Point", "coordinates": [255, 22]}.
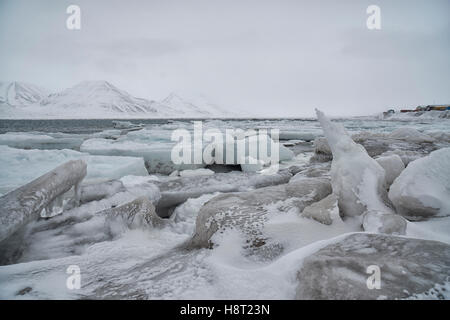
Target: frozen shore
{"type": "Point", "coordinates": [347, 195]}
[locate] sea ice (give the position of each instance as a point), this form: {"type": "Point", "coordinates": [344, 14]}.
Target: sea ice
{"type": "Point", "coordinates": [37, 140]}
{"type": "Point", "coordinates": [21, 166]}
{"type": "Point", "coordinates": [410, 135]}
{"type": "Point", "coordinates": [157, 155]}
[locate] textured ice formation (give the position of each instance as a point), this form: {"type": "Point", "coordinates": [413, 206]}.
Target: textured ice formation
{"type": "Point", "coordinates": [22, 205]}
{"type": "Point", "coordinates": [248, 211]}
{"type": "Point", "coordinates": [137, 213]}
{"type": "Point", "coordinates": [382, 222]}
{"type": "Point", "coordinates": [177, 190]}
{"type": "Point", "coordinates": [358, 180]}
{"type": "Point", "coordinates": [324, 211]}
{"type": "Point", "coordinates": [408, 267]}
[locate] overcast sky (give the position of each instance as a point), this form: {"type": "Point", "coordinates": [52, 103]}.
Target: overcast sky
{"type": "Point", "coordinates": [269, 58]}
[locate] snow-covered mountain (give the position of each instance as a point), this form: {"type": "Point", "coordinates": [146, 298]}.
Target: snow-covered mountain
{"type": "Point", "coordinates": [17, 94]}
{"type": "Point", "coordinates": [198, 108]}
{"type": "Point", "coordinates": [96, 100]}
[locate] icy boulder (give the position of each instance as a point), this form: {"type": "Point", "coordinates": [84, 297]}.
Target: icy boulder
{"type": "Point", "coordinates": [22, 205]}
{"type": "Point", "coordinates": [345, 270]}
{"type": "Point", "coordinates": [410, 135]}
{"type": "Point", "coordinates": [392, 165]}
{"type": "Point", "coordinates": [423, 188]}
{"type": "Point", "coordinates": [382, 222]}
{"type": "Point", "coordinates": [358, 180]}
{"type": "Point", "coordinates": [324, 211]}
{"type": "Point", "coordinates": [247, 212]}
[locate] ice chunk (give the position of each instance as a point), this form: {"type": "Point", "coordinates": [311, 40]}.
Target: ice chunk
{"type": "Point", "coordinates": [21, 166]}
{"type": "Point", "coordinates": [408, 267]}
{"type": "Point", "coordinates": [126, 125]}
{"type": "Point", "coordinates": [137, 213]}
{"type": "Point", "coordinates": [324, 211]}
{"type": "Point", "coordinates": [358, 180]}
{"type": "Point", "coordinates": [247, 211]}
{"type": "Point", "coordinates": [196, 172]}
{"type": "Point", "coordinates": [176, 191]}
{"type": "Point", "coordinates": [37, 140]}
{"type": "Point", "coordinates": [26, 203]}
{"type": "Point", "coordinates": [98, 191]}
{"type": "Point", "coordinates": [377, 143]}
{"type": "Point", "coordinates": [242, 148]}
{"type": "Point", "coordinates": [392, 165]}
{"type": "Point", "coordinates": [157, 155]}
{"type": "Point", "coordinates": [108, 134]}
{"type": "Point", "coordinates": [423, 188]}
{"type": "Point", "coordinates": [296, 135]}
{"type": "Point", "coordinates": [406, 156]}
{"type": "Point", "coordinates": [382, 222]}
{"type": "Point", "coordinates": [250, 164]}
{"type": "Point", "coordinates": [410, 135]}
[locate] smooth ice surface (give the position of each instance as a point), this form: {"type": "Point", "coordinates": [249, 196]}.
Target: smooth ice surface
{"type": "Point", "coordinates": [392, 165]}
{"type": "Point", "coordinates": [37, 140]}
{"type": "Point", "coordinates": [196, 172]}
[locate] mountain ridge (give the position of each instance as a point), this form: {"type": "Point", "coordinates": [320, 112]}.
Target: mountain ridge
{"type": "Point", "coordinates": [94, 99]}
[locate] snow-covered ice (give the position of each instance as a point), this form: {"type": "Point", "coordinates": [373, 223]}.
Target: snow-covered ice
{"type": "Point", "coordinates": [358, 180]}
{"type": "Point", "coordinates": [423, 188]}
{"type": "Point", "coordinates": [272, 226]}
